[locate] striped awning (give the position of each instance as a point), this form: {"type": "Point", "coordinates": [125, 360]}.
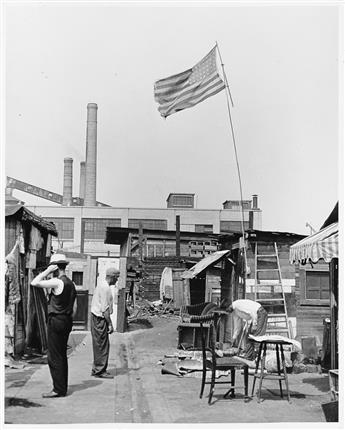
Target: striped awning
{"type": "Point", "coordinates": [323, 244]}
{"type": "Point", "coordinates": [203, 264]}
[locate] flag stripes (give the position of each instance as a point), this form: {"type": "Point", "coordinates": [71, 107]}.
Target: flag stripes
{"type": "Point", "coordinates": [190, 87]}
{"type": "Point", "coordinates": [195, 95]}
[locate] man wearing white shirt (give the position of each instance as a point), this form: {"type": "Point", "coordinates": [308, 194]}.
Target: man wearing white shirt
{"type": "Point", "coordinates": [101, 325]}
{"type": "Point", "coordinates": [256, 318]}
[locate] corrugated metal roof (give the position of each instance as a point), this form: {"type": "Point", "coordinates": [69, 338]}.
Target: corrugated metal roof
{"type": "Point", "coordinates": [204, 263]}
{"type": "Point", "coordinates": [321, 245]}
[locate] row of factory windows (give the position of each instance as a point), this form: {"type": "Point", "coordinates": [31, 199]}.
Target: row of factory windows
{"type": "Point", "coordinates": [95, 228]}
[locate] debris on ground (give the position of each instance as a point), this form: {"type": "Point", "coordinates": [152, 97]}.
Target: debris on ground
{"type": "Point", "coordinates": [147, 309]}
{"type": "Point", "coordinates": [185, 364]}
{"type": "Point", "coordinates": [12, 363]}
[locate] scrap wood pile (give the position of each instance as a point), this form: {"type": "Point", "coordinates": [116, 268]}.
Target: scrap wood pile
{"type": "Point", "coordinates": [147, 309]}
{"type": "Point", "coordinates": [185, 364]}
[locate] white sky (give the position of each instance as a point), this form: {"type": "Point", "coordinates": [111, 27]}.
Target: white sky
{"type": "Point", "coordinates": [283, 66]}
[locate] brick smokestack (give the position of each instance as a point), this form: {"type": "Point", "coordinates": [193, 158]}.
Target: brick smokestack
{"type": "Point", "coordinates": [67, 182]}
{"type": "Point", "coordinates": [82, 180]}
{"type": "Point", "coordinates": [91, 155]}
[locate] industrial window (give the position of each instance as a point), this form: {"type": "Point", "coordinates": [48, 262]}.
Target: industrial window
{"type": "Point", "coordinates": [314, 287]}
{"type": "Point", "coordinates": [152, 224]}
{"type": "Point", "coordinates": [229, 226]}
{"type": "Point", "coordinates": [77, 278]}
{"type": "Point", "coordinates": [64, 227]}
{"type": "Point", "coordinates": [155, 249]}
{"type": "Point", "coordinates": [234, 204]}
{"type": "Point", "coordinates": [203, 228]}
{"type": "Point", "coordinates": [184, 201]}
{"type": "Point", "coordinates": [95, 228]}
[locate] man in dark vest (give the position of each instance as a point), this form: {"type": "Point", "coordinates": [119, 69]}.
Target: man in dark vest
{"type": "Point", "coordinates": [61, 307]}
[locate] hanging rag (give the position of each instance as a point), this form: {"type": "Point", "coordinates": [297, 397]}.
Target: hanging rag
{"type": "Point", "coordinates": [9, 329]}
{"type": "Point", "coordinates": [36, 239]}
{"type": "Point", "coordinates": [35, 244]}
{"type": "Point", "coordinates": [12, 292]}
{"type": "Point", "coordinates": [21, 242]}
{"type": "Point", "coordinates": [49, 245]}
{"type": "Point", "coordinates": [166, 284]}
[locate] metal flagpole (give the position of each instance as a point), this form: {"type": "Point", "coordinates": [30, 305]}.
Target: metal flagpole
{"type": "Point", "coordinates": [228, 97]}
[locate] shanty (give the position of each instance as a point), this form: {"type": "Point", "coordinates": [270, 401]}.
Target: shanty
{"type": "Point", "coordinates": [173, 214]}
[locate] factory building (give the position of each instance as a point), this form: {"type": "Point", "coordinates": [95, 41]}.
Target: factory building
{"type": "Point", "coordinates": [82, 229]}
{"type": "Point", "coordinates": [81, 221]}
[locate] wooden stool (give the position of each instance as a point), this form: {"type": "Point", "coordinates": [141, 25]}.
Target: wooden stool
{"type": "Point", "coordinates": [281, 373]}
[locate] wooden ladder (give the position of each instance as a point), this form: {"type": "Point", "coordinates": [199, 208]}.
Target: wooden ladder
{"type": "Point", "coordinates": [269, 292]}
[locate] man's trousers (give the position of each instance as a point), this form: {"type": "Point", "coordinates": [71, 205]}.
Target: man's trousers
{"type": "Point", "coordinates": [59, 328]}
{"type": "Point", "coordinates": [100, 344]}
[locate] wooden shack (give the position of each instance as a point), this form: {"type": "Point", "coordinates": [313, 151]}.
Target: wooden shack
{"type": "Point", "coordinates": [316, 262]}
{"type": "Point", "coordinates": [145, 253]}
{"type": "Point", "coordinates": [28, 248]}
{"type": "Point", "coordinates": [246, 275]}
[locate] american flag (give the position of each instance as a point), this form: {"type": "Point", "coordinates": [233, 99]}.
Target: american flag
{"type": "Point", "coordinates": [189, 88]}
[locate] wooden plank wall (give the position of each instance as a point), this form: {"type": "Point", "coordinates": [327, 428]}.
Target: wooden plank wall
{"type": "Point", "coordinates": [309, 318]}
{"type": "Point", "coordinates": [287, 269]}
{"type": "Point", "coordinates": [213, 287]}
{"type": "Point", "coordinates": [152, 271]}
{"type": "Point", "coordinates": [178, 288]}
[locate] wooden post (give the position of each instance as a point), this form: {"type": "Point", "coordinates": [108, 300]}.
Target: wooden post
{"type": "Point", "coordinates": [82, 236]}
{"type": "Point", "coordinates": [140, 239]}
{"type": "Point", "coordinates": [121, 311]}
{"type": "Point", "coordinates": [186, 292]}
{"type": "Point", "coordinates": [333, 272]}
{"type": "Point", "coordinates": [178, 239]}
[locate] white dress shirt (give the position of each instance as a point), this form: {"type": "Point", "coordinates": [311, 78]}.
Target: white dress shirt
{"type": "Point", "coordinates": [102, 300]}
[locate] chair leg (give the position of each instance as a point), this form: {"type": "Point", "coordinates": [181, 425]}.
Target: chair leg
{"type": "Point", "coordinates": [231, 391]}
{"type": "Point", "coordinates": [263, 361]}
{"type": "Point", "coordinates": [203, 382]}
{"type": "Point", "coordinates": [285, 374]}
{"type": "Point", "coordinates": [279, 371]}
{"type": "Point", "coordinates": [256, 368]}
{"type": "Point", "coordinates": [213, 378]}
{"type": "Point", "coordinates": [245, 373]}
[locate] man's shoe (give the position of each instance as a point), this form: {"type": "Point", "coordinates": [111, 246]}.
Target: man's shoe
{"type": "Point", "coordinates": [104, 375]}
{"type": "Point", "coordinates": [52, 394]}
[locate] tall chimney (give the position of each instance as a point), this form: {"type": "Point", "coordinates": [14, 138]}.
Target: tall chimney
{"type": "Point", "coordinates": [82, 180]}
{"type": "Point", "coordinates": [255, 201]}
{"type": "Point", "coordinates": [67, 182]}
{"type": "Point", "coordinates": [91, 155]}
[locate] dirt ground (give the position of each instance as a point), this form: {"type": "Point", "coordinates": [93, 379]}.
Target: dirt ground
{"type": "Point", "coordinates": [140, 393]}
{"type": "Point", "coordinates": [150, 396]}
